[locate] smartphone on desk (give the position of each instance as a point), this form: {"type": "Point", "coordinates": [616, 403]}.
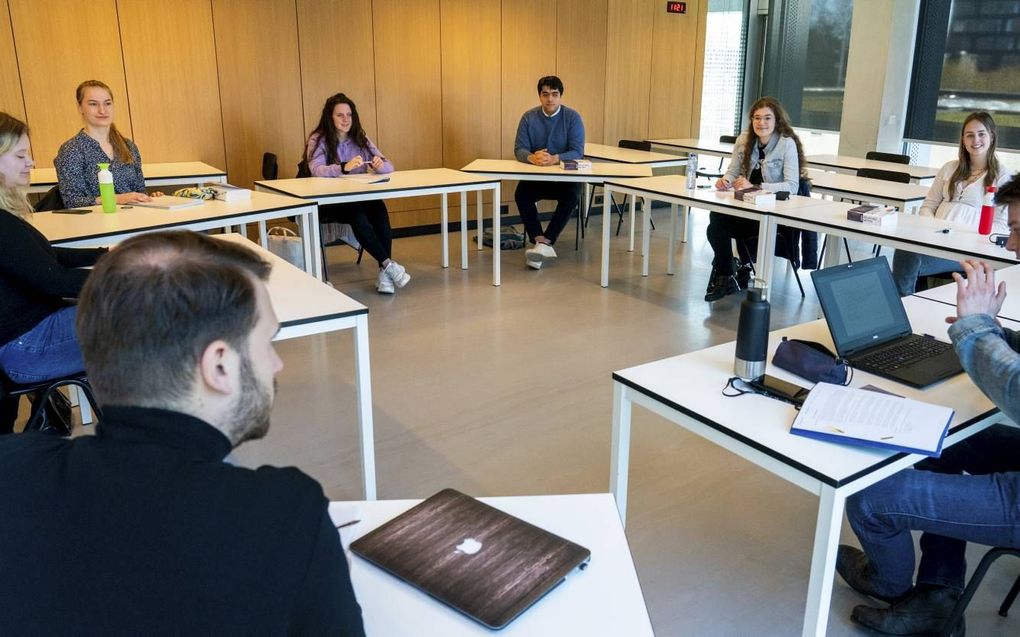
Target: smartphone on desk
{"type": "Point", "coordinates": [71, 211]}
{"type": "Point", "coordinates": [780, 390]}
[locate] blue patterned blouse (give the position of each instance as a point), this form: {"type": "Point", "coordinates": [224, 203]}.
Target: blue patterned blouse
{"type": "Point", "coordinates": [77, 170]}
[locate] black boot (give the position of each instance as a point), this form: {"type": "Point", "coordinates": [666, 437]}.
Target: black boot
{"type": "Point", "coordinates": [923, 611]}
{"type": "Point", "coordinates": [721, 285]}
{"type": "Point", "coordinates": [853, 566]}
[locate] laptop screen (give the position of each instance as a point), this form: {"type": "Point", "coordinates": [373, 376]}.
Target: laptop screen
{"type": "Point", "coordinates": [861, 305]}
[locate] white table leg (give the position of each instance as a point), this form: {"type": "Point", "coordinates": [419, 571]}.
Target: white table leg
{"type": "Point", "coordinates": [766, 252]}
{"type": "Point", "coordinates": [318, 264]}
{"type": "Point", "coordinates": [263, 234]}
{"type": "Point", "coordinates": [584, 206]}
{"type": "Point", "coordinates": [363, 382]}
{"type": "Point", "coordinates": [480, 213]}
{"type": "Point", "coordinates": [685, 229]}
{"type": "Point", "coordinates": [633, 216]}
{"type": "Point", "coordinates": [495, 233]}
{"type": "Point", "coordinates": [619, 459]}
{"type": "Point", "coordinates": [646, 235]}
{"type": "Point", "coordinates": [823, 562]}
{"type": "Point", "coordinates": [673, 221]}
{"type": "Point", "coordinates": [464, 230]}
{"type": "Point", "coordinates": [84, 408]}
{"type": "Point", "coordinates": [444, 231]}
{"type": "Point", "coordinates": [308, 227]}
{"type": "Point", "coordinates": [833, 251]}
{"type": "Point", "coordinates": [606, 198]}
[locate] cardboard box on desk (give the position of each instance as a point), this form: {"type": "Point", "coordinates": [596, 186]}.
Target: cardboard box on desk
{"type": "Point", "coordinates": [582, 165]}
{"type": "Point", "coordinates": [872, 215]}
{"type": "Point", "coordinates": [755, 196]}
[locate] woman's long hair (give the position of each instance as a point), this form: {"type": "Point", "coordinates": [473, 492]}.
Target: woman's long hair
{"type": "Point", "coordinates": [12, 198]}
{"type": "Point", "coordinates": [121, 150]}
{"type": "Point", "coordinates": [783, 129]}
{"type": "Point", "coordinates": [328, 134]}
{"type": "Point", "coordinates": [963, 167]}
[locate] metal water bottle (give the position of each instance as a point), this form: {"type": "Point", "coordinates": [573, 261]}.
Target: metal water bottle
{"type": "Point", "coordinates": [987, 212]}
{"type": "Point", "coordinates": [752, 336]}
{"type": "Point", "coordinates": [692, 170]}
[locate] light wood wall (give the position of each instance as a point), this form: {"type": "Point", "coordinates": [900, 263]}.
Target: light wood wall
{"type": "Point", "coordinates": [437, 82]}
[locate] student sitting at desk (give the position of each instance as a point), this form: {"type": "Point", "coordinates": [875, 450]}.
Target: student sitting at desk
{"type": "Point", "coordinates": [339, 146]}
{"type": "Point", "coordinates": [956, 195]}
{"type": "Point", "coordinates": [98, 142]}
{"type": "Point", "coordinates": [767, 155]}
{"type": "Point", "coordinates": [969, 494]}
{"type": "Point", "coordinates": [144, 528]}
{"type": "Point", "coordinates": [546, 135]}
{"type": "Point", "coordinates": [37, 337]}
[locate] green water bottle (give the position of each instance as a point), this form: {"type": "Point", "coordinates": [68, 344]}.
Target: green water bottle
{"type": "Point", "coordinates": [106, 193]}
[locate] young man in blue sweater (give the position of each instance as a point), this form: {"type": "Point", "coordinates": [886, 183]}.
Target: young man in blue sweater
{"type": "Point", "coordinates": [547, 135]}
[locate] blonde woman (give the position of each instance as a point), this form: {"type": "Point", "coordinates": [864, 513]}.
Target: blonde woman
{"type": "Point", "coordinates": [37, 338]}
{"type": "Point", "coordinates": [97, 142]}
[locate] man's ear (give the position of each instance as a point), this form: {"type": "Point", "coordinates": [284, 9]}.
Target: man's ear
{"type": "Point", "coordinates": [219, 368]}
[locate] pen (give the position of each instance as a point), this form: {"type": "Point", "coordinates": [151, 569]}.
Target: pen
{"type": "Point", "coordinates": [837, 430]}
{"type": "Point", "coordinates": [887, 437]}
{"type": "Point", "coordinates": [943, 231]}
{"type": "Point", "coordinates": [347, 524]}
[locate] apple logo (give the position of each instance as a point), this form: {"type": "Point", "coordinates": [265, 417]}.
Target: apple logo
{"type": "Point", "coordinates": [469, 546]}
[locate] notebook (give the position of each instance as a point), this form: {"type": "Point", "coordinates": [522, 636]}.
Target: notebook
{"type": "Point", "coordinates": [169, 202]}
{"type": "Point", "coordinates": [477, 559]}
{"type": "Point", "coordinates": [870, 328]}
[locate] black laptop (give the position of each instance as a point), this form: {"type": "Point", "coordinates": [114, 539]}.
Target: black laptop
{"type": "Point", "coordinates": [483, 562]}
{"type": "Point", "coordinates": [870, 328]}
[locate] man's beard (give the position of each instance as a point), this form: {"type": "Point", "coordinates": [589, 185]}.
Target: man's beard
{"type": "Point", "coordinates": [250, 420]}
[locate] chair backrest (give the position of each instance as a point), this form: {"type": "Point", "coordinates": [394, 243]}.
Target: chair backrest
{"type": "Point", "coordinates": [892, 157]}
{"type": "Point", "coordinates": [727, 139]}
{"type": "Point", "coordinates": [50, 201]}
{"type": "Point", "coordinates": [635, 144]}
{"type": "Point", "coordinates": [887, 175]}
{"type": "Point", "coordinates": [270, 167]}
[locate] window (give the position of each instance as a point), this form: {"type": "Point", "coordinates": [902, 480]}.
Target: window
{"type": "Point", "coordinates": [724, 68]}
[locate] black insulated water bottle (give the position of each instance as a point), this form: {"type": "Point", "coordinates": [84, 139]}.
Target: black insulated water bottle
{"type": "Point", "coordinates": [752, 336]}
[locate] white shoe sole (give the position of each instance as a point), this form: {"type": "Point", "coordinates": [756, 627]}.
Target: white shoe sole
{"type": "Point", "coordinates": [534, 264]}
{"type": "Point", "coordinates": [404, 280]}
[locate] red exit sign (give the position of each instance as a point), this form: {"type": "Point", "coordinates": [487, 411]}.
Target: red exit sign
{"type": "Point", "coordinates": [676, 7]}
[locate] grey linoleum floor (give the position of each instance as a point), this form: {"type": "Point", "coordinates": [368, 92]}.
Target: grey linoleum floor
{"type": "Point", "coordinates": [507, 391]}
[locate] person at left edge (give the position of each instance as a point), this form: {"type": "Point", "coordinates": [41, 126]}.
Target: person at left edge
{"type": "Point", "coordinates": [37, 338]}
{"type": "Point", "coordinates": [547, 135]}
{"type": "Point", "coordinates": [99, 141]}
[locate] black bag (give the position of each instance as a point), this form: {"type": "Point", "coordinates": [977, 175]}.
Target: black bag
{"type": "Point", "coordinates": [812, 361]}
{"type": "Point", "coordinates": [509, 238]}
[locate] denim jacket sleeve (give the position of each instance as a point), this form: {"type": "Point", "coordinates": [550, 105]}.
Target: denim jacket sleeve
{"type": "Point", "coordinates": [991, 356]}
{"type": "Point", "coordinates": [781, 168]}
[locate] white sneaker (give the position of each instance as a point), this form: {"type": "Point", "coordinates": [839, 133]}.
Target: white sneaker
{"type": "Point", "coordinates": [540, 252]}
{"type": "Point", "coordinates": [397, 273]}
{"type": "Point", "coordinates": [385, 284]}
{"type": "Point", "coordinates": [533, 264]}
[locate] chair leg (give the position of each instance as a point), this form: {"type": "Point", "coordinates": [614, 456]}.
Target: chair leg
{"type": "Point", "coordinates": [968, 593]}
{"type": "Point", "coordinates": [361, 253]}
{"type": "Point", "coordinates": [325, 264]}
{"type": "Point", "coordinates": [796, 276]}
{"type": "Point", "coordinates": [846, 246]}
{"type": "Point", "coordinates": [1010, 598]}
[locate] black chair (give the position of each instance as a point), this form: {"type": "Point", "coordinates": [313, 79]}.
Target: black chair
{"type": "Point", "coordinates": [972, 586]}
{"type": "Point", "coordinates": [799, 247]}
{"type": "Point", "coordinates": [44, 391]}
{"type": "Point", "coordinates": [633, 144]}
{"type": "Point", "coordinates": [887, 175]}
{"type": "Point", "coordinates": [50, 201]}
{"type": "Point", "coordinates": [718, 172]}
{"type": "Point", "coordinates": [890, 157]}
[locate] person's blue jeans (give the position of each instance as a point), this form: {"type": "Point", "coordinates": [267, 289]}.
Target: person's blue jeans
{"type": "Point", "coordinates": [951, 508]}
{"type": "Point", "coordinates": [907, 266]}
{"type": "Point", "coordinates": [48, 350]}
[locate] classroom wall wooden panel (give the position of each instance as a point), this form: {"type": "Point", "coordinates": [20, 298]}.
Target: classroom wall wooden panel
{"type": "Point", "coordinates": [529, 52]}
{"type": "Point", "coordinates": [581, 60]}
{"type": "Point", "coordinates": [170, 65]}
{"type": "Point", "coordinates": [673, 69]}
{"type": "Point", "coordinates": [12, 101]}
{"type": "Point", "coordinates": [260, 84]}
{"type": "Point", "coordinates": [408, 92]}
{"type": "Point", "coordinates": [471, 74]}
{"type": "Point", "coordinates": [628, 64]}
{"type": "Point", "coordinates": [59, 45]}
{"type": "Point", "coordinates": [337, 56]}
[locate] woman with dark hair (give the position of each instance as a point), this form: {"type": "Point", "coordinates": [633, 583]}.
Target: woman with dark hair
{"type": "Point", "coordinates": [956, 195]}
{"type": "Point", "coordinates": [767, 155]}
{"type": "Point", "coordinates": [37, 336]}
{"type": "Point", "coordinates": [339, 146]}
{"type": "Point", "coordinates": [97, 142]}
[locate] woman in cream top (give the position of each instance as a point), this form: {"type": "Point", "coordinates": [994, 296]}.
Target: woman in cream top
{"type": "Point", "coordinates": [956, 195]}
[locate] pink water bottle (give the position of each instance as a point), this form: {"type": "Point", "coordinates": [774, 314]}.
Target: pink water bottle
{"type": "Point", "coordinates": [987, 212]}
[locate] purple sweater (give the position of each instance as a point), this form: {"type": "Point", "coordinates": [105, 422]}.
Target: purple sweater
{"type": "Point", "coordinates": [346, 150]}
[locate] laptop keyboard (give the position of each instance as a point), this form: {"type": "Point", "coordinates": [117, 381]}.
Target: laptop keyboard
{"type": "Point", "coordinates": [903, 354]}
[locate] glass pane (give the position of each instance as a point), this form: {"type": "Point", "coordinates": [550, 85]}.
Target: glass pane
{"type": "Point", "coordinates": [724, 68]}
{"type": "Point", "coordinates": [825, 66]}
{"type": "Point", "coordinates": [981, 69]}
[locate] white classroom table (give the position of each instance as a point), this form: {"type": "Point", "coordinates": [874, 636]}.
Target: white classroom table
{"type": "Point", "coordinates": [305, 305]}
{"type": "Point", "coordinates": [99, 229]}
{"type": "Point", "coordinates": [906, 197]}
{"type": "Point", "coordinates": [604, 599]}
{"type": "Point", "coordinates": [673, 190]}
{"type": "Point", "coordinates": [849, 165]}
{"type": "Point", "coordinates": [685, 390]}
{"type": "Point", "coordinates": [404, 183]}
{"type": "Point", "coordinates": [178, 173]}
{"type": "Point", "coordinates": [1010, 307]}
{"type": "Point", "coordinates": [702, 146]}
